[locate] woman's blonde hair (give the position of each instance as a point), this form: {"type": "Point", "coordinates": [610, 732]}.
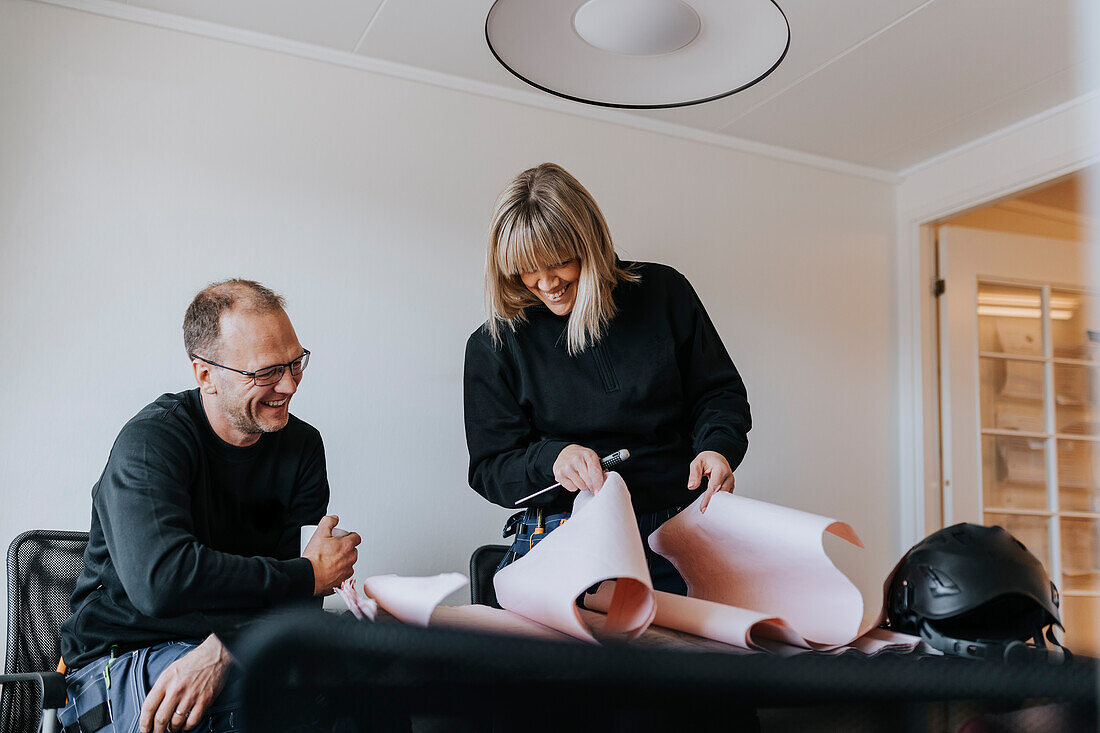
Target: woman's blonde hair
{"type": "Point", "coordinates": [546, 214]}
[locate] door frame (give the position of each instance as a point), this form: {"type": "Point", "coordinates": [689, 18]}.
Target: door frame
{"type": "Point", "coordinates": [919, 479]}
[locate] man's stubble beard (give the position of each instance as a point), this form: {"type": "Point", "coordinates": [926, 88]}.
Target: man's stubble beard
{"type": "Point", "coordinates": [241, 420]}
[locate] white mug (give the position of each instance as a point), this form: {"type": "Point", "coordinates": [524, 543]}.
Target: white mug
{"type": "Point", "coordinates": [309, 529]}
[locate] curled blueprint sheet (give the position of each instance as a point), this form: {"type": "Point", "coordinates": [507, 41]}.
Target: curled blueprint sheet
{"type": "Point", "coordinates": [415, 600]}
{"type": "Point", "coordinates": [411, 599]}
{"type": "Point", "coordinates": [759, 578]}
{"type": "Point", "coordinates": [600, 541]}
{"type": "Point", "coordinates": [757, 573]}
{"type": "Point", "coordinates": [495, 620]}
{"type": "Point", "coordinates": [769, 559]}
{"type": "Point", "coordinates": [727, 624]}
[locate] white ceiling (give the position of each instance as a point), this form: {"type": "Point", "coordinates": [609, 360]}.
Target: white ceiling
{"type": "Point", "coordinates": [884, 84]}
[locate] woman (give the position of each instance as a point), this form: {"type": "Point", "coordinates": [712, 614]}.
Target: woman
{"type": "Point", "coordinates": [583, 355]}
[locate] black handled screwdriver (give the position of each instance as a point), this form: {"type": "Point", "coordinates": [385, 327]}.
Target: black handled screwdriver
{"type": "Point", "coordinates": [606, 463]}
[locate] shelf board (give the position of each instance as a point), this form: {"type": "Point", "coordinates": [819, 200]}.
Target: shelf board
{"type": "Point", "coordinates": [1040, 513]}
{"type": "Point", "coordinates": [1065, 360]}
{"type": "Point", "coordinates": [1030, 397]}
{"type": "Point", "coordinates": [1076, 362]}
{"type": "Point", "coordinates": [1087, 437]}
{"type": "Point", "coordinates": [1015, 433]}
{"type": "Point", "coordinates": [1045, 513]}
{"type": "Point", "coordinates": [1013, 357]}
{"type": "Point", "coordinates": [1080, 593]}
{"type": "Point", "coordinates": [1079, 515]}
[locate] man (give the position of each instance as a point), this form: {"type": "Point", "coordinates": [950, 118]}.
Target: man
{"type": "Point", "coordinates": [195, 526]}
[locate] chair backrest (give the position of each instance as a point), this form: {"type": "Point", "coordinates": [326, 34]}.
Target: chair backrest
{"type": "Point", "coordinates": [43, 566]}
{"type": "Point", "coordinates": [483, 564]}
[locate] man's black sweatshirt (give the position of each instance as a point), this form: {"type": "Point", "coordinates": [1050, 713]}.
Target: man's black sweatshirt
{"type": "Point", "coordinates": [191, 535]}
{"type": "Point", "coordinates": [659, 383]}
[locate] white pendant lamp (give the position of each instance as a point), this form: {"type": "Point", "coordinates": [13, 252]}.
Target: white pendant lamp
{"type": "Point", "coordinates": [638, 54]}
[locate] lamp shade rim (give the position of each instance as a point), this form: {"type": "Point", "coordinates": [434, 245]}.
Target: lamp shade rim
{"type": "Point", "coordinates": [675, 103]}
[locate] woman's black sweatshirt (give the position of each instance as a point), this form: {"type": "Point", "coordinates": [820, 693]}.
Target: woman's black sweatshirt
{"type": "Point", "coordinates": [659, 383]}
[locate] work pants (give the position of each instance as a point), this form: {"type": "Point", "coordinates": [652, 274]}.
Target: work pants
{"type": "Point", "coordinates": [110, 700]}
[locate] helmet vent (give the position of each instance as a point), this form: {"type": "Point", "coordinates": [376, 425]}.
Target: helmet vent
{"type": "Point", "coordinates": [960, 535]}
{"type": "Point", "coordinates": [939, 583]}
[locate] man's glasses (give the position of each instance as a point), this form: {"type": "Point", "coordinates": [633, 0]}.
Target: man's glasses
{"type": "Point", "coordinates": [268, 375]}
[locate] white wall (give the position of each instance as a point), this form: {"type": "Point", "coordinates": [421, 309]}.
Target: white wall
{"type": "Point", "coordinates": [138, 164]}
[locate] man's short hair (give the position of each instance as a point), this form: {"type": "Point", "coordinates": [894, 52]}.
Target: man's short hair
{"type": "Point", "coordinates": [202, 322]}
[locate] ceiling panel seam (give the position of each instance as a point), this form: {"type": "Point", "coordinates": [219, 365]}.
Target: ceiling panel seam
{"type": "Point", "coordinates": [370, 23]}
{"type": "Point", "coordinates": [826, 64]}
{"type": "Point", "coordinates": [144, 16]}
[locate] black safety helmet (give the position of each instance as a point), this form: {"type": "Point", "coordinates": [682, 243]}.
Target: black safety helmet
{"type": "Point", "coordinates": [974, 591]}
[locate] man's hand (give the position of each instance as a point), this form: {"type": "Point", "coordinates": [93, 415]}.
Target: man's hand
{"type": "Point", "coordinates": [184, 691]}
{"type": "Point", "coordinates": [333, 558]}
{"type": "Point", "coordinates": [578, 468]}
{"type": "Point", "coordinates": [718, 472]}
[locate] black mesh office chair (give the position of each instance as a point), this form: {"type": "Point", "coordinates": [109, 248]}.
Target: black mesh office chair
{"type": "Point", "coordinates": [43, 566]}
{"type": "Point", "coordinates": [482, 564]}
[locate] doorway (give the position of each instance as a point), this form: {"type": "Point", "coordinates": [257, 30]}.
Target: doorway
{"type": "Point", "coordinates": [1019, 364]}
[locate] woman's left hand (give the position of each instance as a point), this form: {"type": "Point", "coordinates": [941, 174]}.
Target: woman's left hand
{"type": "Point", "coordinates": [718, 472]}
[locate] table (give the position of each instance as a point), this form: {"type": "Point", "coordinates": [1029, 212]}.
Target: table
{"type": "Point", "coordinates": [316, 671]}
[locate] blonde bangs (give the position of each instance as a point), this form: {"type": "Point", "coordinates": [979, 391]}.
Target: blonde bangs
{"type": "Point", "coordinates": [524, 243]}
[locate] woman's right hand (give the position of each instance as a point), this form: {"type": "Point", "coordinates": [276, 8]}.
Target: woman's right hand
{"type": "Point", "coordinates": [578, 468]}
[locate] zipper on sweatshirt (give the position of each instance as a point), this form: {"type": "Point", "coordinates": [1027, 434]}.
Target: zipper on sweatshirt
{"type": "Point", "coordinates": [607, 371]}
